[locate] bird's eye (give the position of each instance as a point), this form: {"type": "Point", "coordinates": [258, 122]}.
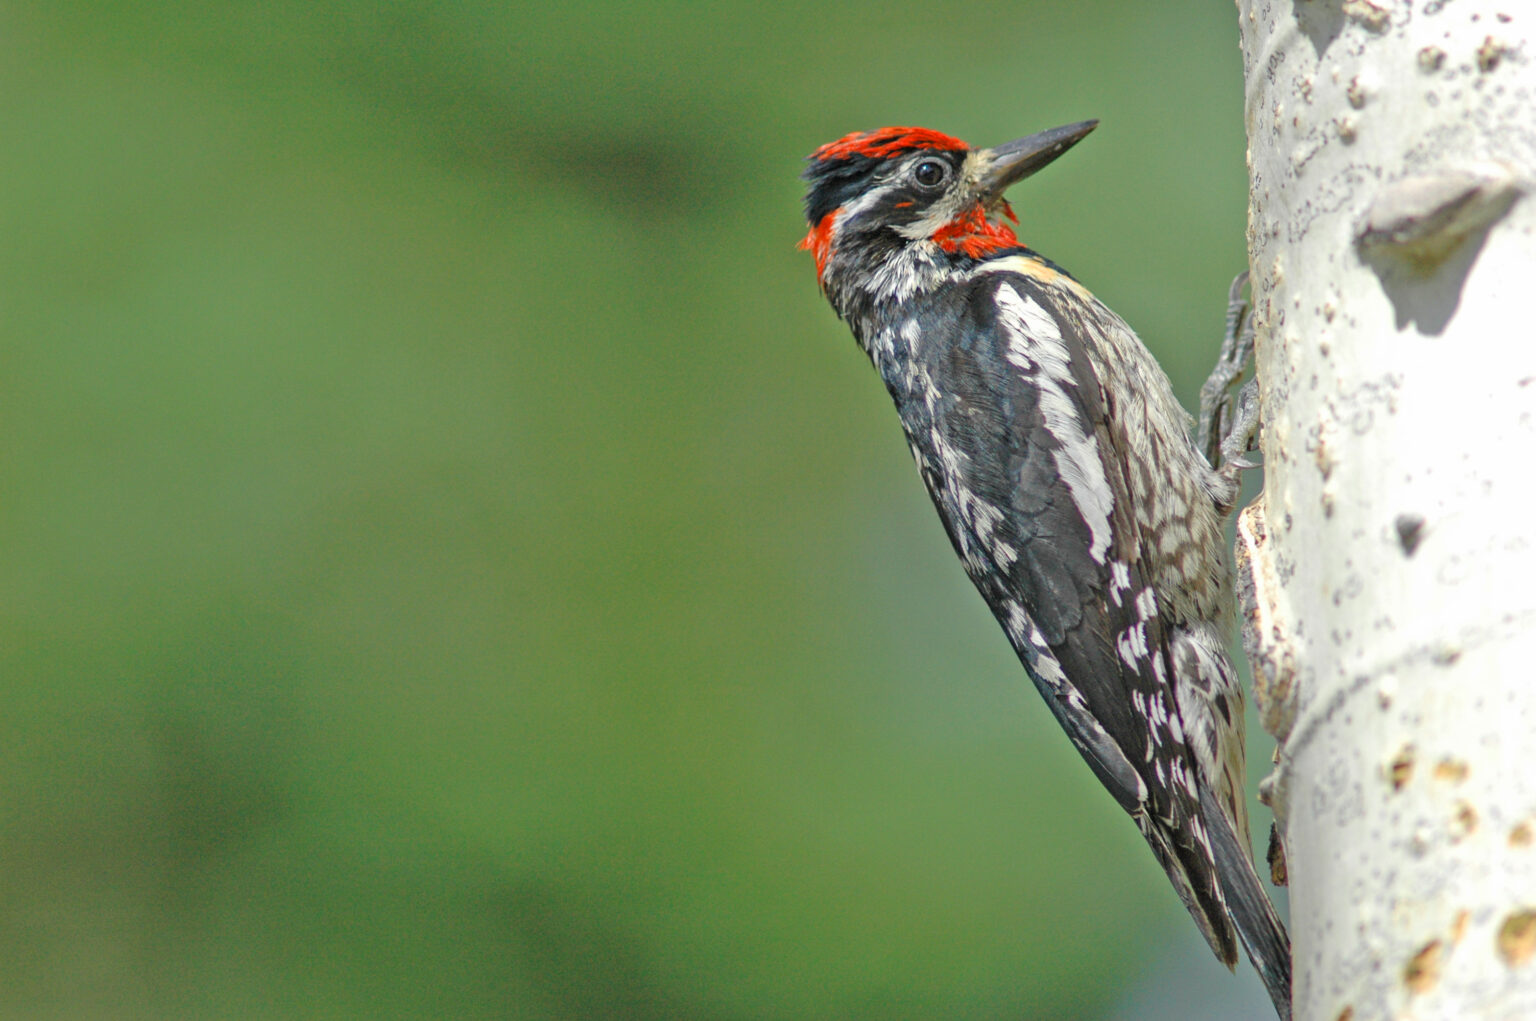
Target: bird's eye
{"type": "Point", "coordinates": [930, 173]}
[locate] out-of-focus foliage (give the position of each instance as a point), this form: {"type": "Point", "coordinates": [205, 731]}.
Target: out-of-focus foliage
{"type": "Point", "coordinates": [455, 565]}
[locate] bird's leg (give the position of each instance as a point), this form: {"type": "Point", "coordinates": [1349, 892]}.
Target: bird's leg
{"type": "Point", "coordinates": [1242, 428]}
{"type": "Point", "coordinates": [1229, 422]}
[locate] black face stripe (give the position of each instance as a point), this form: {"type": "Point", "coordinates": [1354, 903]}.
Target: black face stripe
{"type": "Point", "coordinates": [835, 183]}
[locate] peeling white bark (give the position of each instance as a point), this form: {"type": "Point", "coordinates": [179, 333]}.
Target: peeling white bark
{"type": "Point", "coordinates": [1391, 561]}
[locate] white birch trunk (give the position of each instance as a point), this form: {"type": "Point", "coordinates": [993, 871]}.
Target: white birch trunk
{"type": "Point", "coordinates": [1391, 561]}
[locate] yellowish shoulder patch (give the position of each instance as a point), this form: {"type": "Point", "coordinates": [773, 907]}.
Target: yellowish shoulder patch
{"type": "Point", "coordinates": [1036, 270]}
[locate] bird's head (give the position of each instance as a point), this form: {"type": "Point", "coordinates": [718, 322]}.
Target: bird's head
{"type": "Point", "coordinates": [875, 195]}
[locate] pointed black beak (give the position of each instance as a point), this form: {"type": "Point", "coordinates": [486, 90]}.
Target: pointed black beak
{"type": "Point", "coordinates": [1014, 161]}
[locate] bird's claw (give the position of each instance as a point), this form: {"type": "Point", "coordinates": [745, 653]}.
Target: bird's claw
{"type": "Point", "coordinates": [1228, 423]}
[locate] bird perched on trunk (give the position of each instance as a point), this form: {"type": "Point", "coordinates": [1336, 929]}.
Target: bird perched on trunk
{"type": "Point", "coordinates": [1063, 470]}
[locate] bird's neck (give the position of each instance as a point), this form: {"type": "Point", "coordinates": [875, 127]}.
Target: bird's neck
{"type": "Point", "coordinates": [872, 278]}
{"type": "Point", "coordinates": [871, 273]}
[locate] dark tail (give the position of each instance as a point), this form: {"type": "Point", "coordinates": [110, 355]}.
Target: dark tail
{"type": "Point", "coordinates": [1258, 926]}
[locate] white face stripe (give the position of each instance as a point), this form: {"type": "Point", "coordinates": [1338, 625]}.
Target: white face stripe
{"type": "Point", "coordinates": [958, 199]}
{"type": "Point", "coordinates": [1034, 341]}
{"type": "Point", "coordinates": [864, 202]}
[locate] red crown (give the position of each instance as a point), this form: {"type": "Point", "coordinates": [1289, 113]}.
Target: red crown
{"type": "Point", "coordinates": [885, 142]}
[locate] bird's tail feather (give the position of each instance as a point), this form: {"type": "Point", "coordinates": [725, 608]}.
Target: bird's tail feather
{"type": "Point", "coordinates": [1258, 926]}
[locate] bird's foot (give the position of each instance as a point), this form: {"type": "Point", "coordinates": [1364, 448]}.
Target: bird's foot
{"type": "Point", "coordinates": [1229, 421]}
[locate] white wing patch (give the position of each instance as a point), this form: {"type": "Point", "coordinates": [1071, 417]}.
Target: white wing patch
{"type": "Point", "coordinates": [1132, 645]}
{"type": "Point", "coordinates": [1119, 580]}
{"type": "Point", "coordinates": [1034, 342]}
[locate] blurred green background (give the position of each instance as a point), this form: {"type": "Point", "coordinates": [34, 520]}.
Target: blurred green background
{"type": "Point", "coordinates": [455, 564]}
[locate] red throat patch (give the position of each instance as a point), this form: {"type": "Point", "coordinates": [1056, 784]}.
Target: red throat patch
{"type": "Point", "coordinates": [974, 234]}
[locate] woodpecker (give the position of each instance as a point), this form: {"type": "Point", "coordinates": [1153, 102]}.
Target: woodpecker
{"type": "Point", "coordinates": [1062, 467]}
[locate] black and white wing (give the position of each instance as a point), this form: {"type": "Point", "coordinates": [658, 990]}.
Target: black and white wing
{"type": "Point", "coordinates": [1015, 442]}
